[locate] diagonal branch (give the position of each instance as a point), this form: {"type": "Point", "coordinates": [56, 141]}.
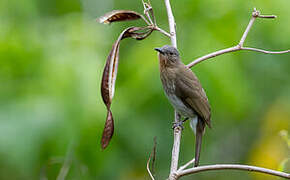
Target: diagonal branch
{"type": "Point", "coordinates": [148, 168]}
{"type": "Point", "coordinates": [153, 157]}
{"type": "Point", "coordinates": [186, 165]}
{"type": "Point", "coordinates": [240, 46]}
{"type": "Point", "coordinates": [232, 166]}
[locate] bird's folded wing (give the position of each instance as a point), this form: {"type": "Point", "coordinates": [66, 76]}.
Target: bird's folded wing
{"type": "Point", "coordinates": [189, 90]}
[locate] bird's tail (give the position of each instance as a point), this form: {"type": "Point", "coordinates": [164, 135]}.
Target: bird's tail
{"type": "Point", "coordinates": [198, 140]}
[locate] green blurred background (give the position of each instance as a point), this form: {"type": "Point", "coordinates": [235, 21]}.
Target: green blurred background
{"type": "Point", "coordinates": [52, 54]}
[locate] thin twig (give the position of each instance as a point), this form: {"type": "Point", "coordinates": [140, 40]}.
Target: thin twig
{"type": "Point", "coordinates": [152, 24]}
{"type": "Point", "coordinates": [186, 165]}
{"type": "Point", "coordinates": [145, 20]}
{"type": "Point", "coordinates": [152, 156]}
{"type": "Point", "coordinates": [162, 31]}
{"type": "Point", "coordinates": [267, 16]}
{"type": "Point", "coordinates": [232, 166]}
{"type": "Point", "coordinates": [152, 13]}
{"type": "Point", "coordinates": [146, 9]}
{"type": "Point", "coordinates": [265, 51]}
{"type": "Point", "coordinates": [255, 15]}
{"type": "Point", "coordinates": [214, 54]}
{"type": "Point", "coordinates": [148, 168]}
{"type": "Point", "coordinates": [252, 20]}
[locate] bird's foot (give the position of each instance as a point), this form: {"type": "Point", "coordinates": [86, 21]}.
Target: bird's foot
{"type": "Point", "coordinates": [178, 124]}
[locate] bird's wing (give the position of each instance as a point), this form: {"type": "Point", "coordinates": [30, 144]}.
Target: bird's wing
{"type": "Point", "coordinates": [189, 90]}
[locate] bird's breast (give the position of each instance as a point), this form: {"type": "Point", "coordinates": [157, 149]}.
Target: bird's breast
{"type": "Point", "coordinates": [179, 106]}
{"type": "Point", "coordinates": [168, 82]}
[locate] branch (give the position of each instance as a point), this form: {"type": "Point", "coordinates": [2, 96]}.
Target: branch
{"type": "Point", "coordinates": [177, 130]}
{"type": "Point", "coordinates": [171, 23]}
{"type": "Point", "coordinates": [240, 46]}
{"type": "Point", "coordinates": [152, 156]}
{"type": "Point", "coordinates": [265, 51]}
{"type": "Point", "coordinates": [148, 168]}
{"type": "Point", "coordinates": [187, 164]}
{"type": "Point", "coordinates": [231, 166]}
{"type": "Point", "coordinates": [175, 149]}
{"type": "Point", "coordinates": [162, 31]}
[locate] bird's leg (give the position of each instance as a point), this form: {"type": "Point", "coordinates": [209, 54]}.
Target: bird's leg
{"type": "Point", "coordinates": [185, 119]}
{"type": "Point", "coordinates": [179, 123]}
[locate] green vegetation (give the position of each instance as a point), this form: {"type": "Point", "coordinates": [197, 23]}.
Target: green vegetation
{"type": "Point", "coordinates": [52, 54]}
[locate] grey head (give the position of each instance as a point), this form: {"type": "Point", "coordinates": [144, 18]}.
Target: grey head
{"type": "Point", "coordinates": [168, 51]}
{"type": "Point", "coordinates": [168, 55]}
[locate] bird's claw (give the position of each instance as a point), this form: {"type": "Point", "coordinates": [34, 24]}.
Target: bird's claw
{"type": "Point", "coordinates": [178, 124]}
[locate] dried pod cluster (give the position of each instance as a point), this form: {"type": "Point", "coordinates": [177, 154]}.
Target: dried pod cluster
{"type": "Point", "coordinates": [111, 66]}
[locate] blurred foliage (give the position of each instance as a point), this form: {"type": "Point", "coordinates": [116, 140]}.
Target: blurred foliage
{"type": "Point", "coordinates": [51, 58]}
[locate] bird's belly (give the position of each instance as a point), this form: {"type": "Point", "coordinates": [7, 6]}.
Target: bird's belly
{"type": "Point", "coordinates": [180, 106]}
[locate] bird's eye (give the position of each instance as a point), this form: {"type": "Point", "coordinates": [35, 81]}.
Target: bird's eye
{"type": "Point", "coordinates": [171, 53]}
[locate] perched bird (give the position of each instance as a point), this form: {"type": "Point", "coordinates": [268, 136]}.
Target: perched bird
{"type": "Point", "coordinates": [185, 93]}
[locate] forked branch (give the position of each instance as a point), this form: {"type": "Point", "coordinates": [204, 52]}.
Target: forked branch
{"type": "Point", "coordinates": [240, 46]}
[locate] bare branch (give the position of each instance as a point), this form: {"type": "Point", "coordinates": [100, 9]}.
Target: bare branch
{"type": "Point", "coordinates": [146, 10]}
{"type": "Point", "coordinates": [240, 46]}
{"type": "Point", "coordinates": [162, 31]}
{"type": "Point", "coordinates": [177, 130]}
{"type": "Point", "coordinates": [232, 166]}
{"type": "Point", "coordinates": [152, 23]}
{"type": "Point", "coordinates": [265, 51]}
{"type": "Point", "coordinates": [145, 20]}
{"type": "Point", "coordinates": [175, 148]}
{"type": "Point", "coordinates": [267, 16]}
{"type": "Point", "coordinates": [152, 13]}
{"type": "Point", "coordinates": [252, 20]}
{"type": "Point", "coordinates": [214, 54]}
{"type": "Point", "coordinates": [186, 165]}
{"type": "Point", "coordinates": [152, 156]}
{"type": "Point", "coordinates": [148, 168]}
{"type": "Point", "coordinates": [171, 22]}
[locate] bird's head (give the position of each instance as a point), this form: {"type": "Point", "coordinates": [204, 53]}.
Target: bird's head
{"type": "Point", "coordinates": [168, 55]}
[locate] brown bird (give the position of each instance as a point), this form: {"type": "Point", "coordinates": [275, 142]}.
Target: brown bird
{"type": "Point", "coordinates": [185, 93]}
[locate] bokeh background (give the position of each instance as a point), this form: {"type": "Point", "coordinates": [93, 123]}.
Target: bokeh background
{"type": "Point", "coordinates": [52, 54]}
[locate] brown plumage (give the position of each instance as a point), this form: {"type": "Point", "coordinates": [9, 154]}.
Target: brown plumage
{"type": "Point", "coordinates": [184, 92]}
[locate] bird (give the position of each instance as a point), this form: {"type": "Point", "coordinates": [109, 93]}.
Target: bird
{"type": "Point", "coordinates": [185, 93]}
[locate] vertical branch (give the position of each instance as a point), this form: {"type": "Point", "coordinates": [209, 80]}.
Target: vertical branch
{"type": "Point", "coordinates": [171, 23]}
{"type": "Point", "coordinates": [175, 148]}
{"type": "Point", "coordinates": [177, 130]}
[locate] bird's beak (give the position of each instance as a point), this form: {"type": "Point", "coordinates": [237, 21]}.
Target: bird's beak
{"type": "Point", "coordinates": [159, 50]}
